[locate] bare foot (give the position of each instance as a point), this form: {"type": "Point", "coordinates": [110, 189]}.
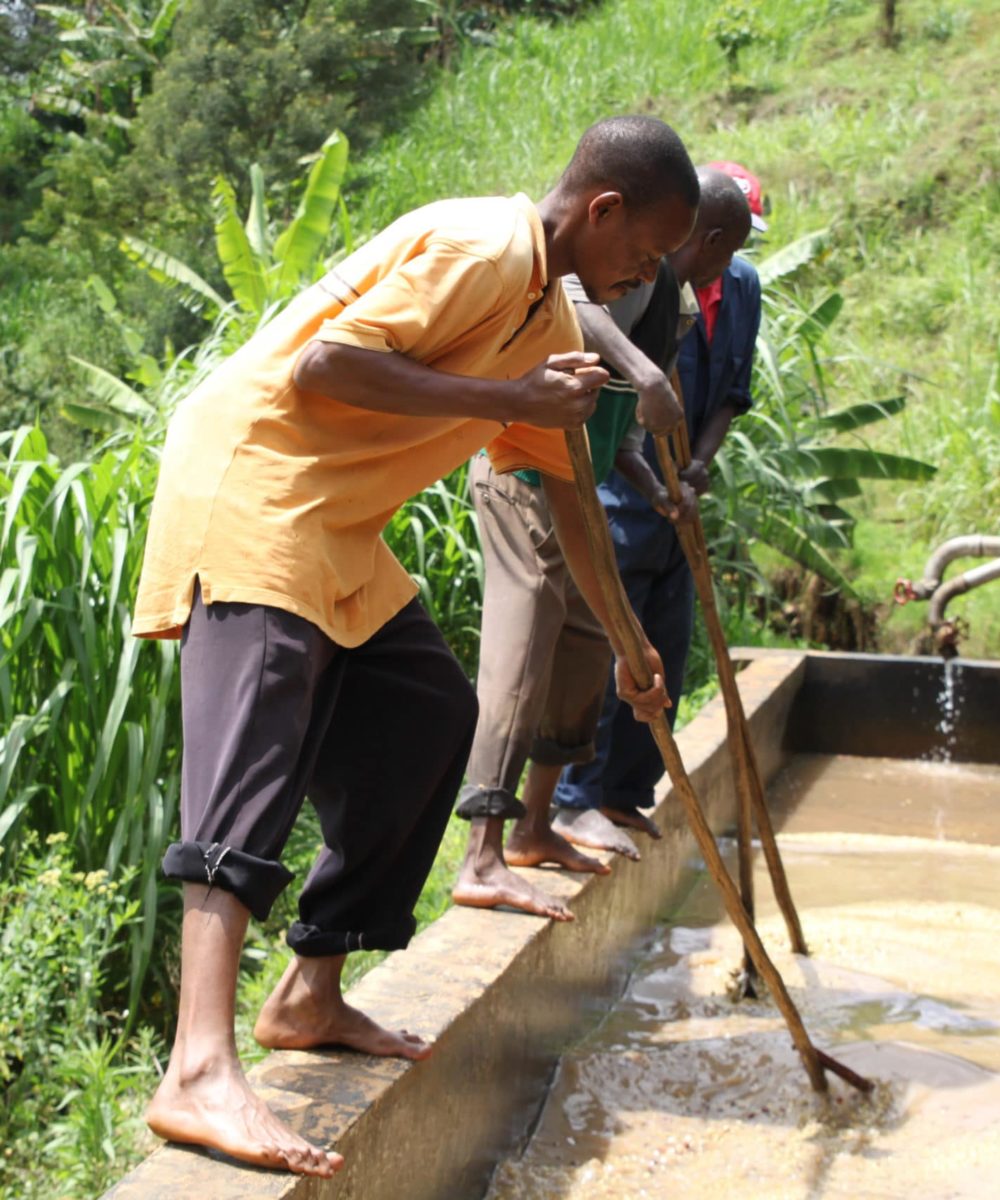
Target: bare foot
{"type": "Point", "coordinates": [486, 881]}
{"type": "Point", "coordinates": [591, 828]}
{"type": "Point", "coordinates": [502, 888]}
{"type": "Point", "coordinates": [215, 1107]}
{"type": "Point", "coordinates": [633, 820]}
{"type": "Point", "coordinates": [306, 1010]}
{"type": "Point", "coordinates": [532, 847]}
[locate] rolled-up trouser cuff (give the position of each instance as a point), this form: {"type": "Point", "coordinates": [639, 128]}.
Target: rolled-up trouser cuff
{"type": "Point", "coordinates": [548, 753]}
{"type": "Point", "coordinates": [255, 882]}
{"type": "Point", "coordinates": [488, 802]}
{"type": "Point", "coordinates": [309, 942]}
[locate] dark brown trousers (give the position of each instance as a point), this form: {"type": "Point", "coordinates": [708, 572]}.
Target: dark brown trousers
{"type": "Point", "coordinates": [376, 736]}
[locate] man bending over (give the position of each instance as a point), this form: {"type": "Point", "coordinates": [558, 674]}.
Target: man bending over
{"type": "Point", "coordinates": [305, 658]}
{"type": "Point", "coordinates": [544, 657]}
{"type": "Point", "coordinates": [596, 799]}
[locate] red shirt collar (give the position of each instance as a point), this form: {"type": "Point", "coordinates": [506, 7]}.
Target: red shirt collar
{"type": "Point", "coordinates": [709, 299]}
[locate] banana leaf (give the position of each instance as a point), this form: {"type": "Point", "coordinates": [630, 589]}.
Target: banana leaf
{"type": "Point", "coordinates": [856, 462]}
{"type": "Point", "coordinates": [822, 316]}
{"type": "Point", "coordinates": [299, 248]}
{"type": "Point", "coordinates": [789, 258]}
{"type": "Point", "coordinates": [113, 393]}
{"type": "Point", "coordinates": [795, 543]}
{"type": "Point", "coordinates": [256, 226]}
{"type": "Point", "coordinates": [857, 415]}
{"type": "Point", "coordinates": [166, 269]}
{"type": "Point", "coordinates": [240, 264]}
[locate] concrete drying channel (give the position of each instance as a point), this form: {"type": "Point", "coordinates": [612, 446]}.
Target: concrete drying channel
{"type": "Point", "coordinates": [501, 993]}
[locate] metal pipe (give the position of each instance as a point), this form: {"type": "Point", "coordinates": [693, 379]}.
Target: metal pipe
{"type": "Point", "coordinates": [969, 546]}
{"type": "Point", "coordinates": [961, 583]}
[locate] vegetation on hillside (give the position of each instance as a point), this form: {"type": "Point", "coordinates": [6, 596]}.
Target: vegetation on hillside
{"type": "Point", "coordinates": [151, 189]}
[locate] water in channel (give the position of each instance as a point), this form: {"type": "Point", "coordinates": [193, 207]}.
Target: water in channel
{"type": "Point", "coordinates": [895, 871]}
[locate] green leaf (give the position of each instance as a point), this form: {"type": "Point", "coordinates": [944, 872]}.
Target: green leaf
{"type": "Point", "coordinates": [112, 392]}
{"type": "Point", "coordinates": [822, 316]}
{"type": "Point", "coordinates": [240, 265]}
{"type": "Point", "coordinates": [796, 544]}
{"type": "Point", "coordinates": [826, 491]}
{"type": "Point", "coordinates": [856, 462]}
{"type": "Point", "coordinates": [256, 226]}
{"type": "Point", "coordinates": [853, 417]}
{"type": "Point", "coordinates": [90, 416]}
{"type": "Point", "coordinates": [166, 269]}
{"type": "Point", "coordinates": [163, 21]}
{"type": "Point", "coordinates": [789, 258]}
{"type": "Point", "coordinates": [298, 249]}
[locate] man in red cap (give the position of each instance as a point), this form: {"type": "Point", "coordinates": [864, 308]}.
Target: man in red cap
{"type": "Point", "coordinates": [597, 798]}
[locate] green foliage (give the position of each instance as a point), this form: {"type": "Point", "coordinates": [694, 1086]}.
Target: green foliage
{"type": "Point", "coordinates": [735, 25]}
{"type": "Point", "coordinates": [256, 81]}
{"type": "Point", "coordinates": [263, 268]}
{"type": "Point", "coordinates": [108, 55]}
{"type": "Point", "coordinates": [781, 481]}
{"type": "Point", "coordinates": [64, 1066]}
{"type": "Point", "coordinates": [88, 712]}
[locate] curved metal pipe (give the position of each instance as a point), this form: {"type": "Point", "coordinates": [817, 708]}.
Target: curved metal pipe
{"type": "Point", "coordinates": [968, 546]}
{"type": "Point", "coordinates": [961, 583]}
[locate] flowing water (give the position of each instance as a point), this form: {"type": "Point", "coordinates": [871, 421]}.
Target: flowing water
{"type": "Point", "coordinates": [895, 870]}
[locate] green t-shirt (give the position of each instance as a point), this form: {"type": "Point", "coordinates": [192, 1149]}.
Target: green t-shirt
{"type": "Point", "coordinates": [612, 418]}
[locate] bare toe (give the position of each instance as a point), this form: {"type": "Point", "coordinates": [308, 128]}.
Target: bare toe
{"type": "Point", "coordinates": [591, 828]}
{"type": "Point", "coordinates": [633, 819]}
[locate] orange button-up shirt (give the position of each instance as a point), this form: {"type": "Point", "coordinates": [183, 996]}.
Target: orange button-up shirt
{"type": "Point", "coordinates": [272, 495]}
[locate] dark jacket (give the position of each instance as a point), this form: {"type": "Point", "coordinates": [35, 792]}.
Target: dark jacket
{"type": "Point", "coordinates": [711, 376]}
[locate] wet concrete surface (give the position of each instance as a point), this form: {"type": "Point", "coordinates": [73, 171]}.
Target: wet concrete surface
{"type": "Point", "coordinates": [679, 1092]}
{"type": "Point", "coordinates": [499, 993]}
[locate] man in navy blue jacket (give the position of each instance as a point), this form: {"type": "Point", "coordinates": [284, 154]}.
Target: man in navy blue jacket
{"type": "Point", "coordinates": [595, 799]}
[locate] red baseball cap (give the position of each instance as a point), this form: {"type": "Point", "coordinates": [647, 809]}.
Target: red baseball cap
{"type": "Point", "coordinates": [750, 186]}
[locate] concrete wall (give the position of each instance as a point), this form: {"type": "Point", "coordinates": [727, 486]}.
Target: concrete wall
{"type": "Point", "coordinates": [500, 993]}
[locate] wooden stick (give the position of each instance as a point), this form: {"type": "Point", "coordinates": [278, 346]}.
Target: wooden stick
{"type": "Point", "coordinates": [628, 633]}
{"type": "Point", "coordinates": [697, 559]}
{"type": "Point", "coordinates": [746, 771]}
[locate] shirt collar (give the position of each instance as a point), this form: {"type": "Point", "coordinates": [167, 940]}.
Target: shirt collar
{"type": "Point", "coordinates": [540, 275]}
{"type": "Point", "coordinates": [689, 301]}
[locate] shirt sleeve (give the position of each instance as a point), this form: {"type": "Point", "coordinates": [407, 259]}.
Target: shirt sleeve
{"type": "Point", "coordinates": [628, 310]}
{"type": "Point", "coordinates": [520, 446]}
{"type": "Point", "coordinates": [634, 439]}
{"type": "Point", "coordinates": [574, 289]}
{"type": "Point", "coordinates": [739, 395]}
{"type": "Point", "coordinates": [422, 306]}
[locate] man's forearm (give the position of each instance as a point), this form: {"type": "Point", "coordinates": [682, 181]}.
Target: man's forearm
{"type": "Point", "coordinates": [391, 382]}
{"type": "Point", "coordinates": [557, 393]}
{"type": "Point", "coordinates": [712, 435]}
{"type": "Point", "coordinates": [602, 335]}
{"type": "Point", "coordinates": [634, 469]}
{"type": "Point", "coordinates": [658, 409]}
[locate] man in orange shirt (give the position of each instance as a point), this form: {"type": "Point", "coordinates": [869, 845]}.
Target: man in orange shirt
{"type": "Point", "coordinates": [307, 666]}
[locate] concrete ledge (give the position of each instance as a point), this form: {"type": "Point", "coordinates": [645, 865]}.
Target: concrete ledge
{"type": "Point", "coordinates": [500, 993]}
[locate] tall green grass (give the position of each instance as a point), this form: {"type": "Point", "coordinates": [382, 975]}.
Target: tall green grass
{"type": "Point", "coordinates": [894, 151]}
{"type": "Point", "coordinates": [89, 744]}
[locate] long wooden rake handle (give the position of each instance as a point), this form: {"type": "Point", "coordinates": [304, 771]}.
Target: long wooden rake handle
{"type": "Point", "coordinates": [749, 786]}
{"type": "Point", "coordinates": [628, 633]}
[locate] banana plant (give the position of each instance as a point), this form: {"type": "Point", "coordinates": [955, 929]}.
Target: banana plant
{"type": "Point", "coordinates": [785, 470]}
{"type": "Point", "coordinates": [263, 267]}
{"type": "Point", "coordinates": [109, 53]}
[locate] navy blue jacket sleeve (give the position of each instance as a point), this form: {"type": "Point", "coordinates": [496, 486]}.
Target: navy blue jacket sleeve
{"type": "Point", "coordinates": [747, 327]}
